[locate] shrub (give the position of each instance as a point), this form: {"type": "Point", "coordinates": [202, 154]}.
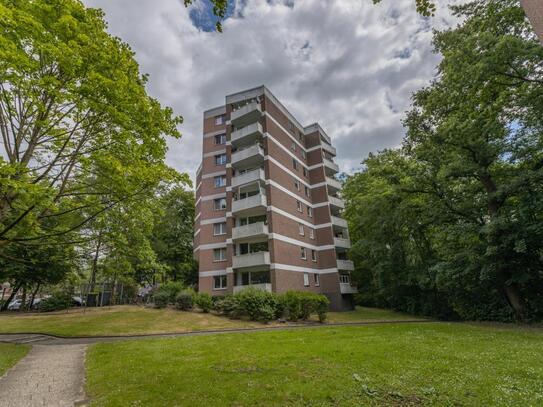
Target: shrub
{"type": "Point", "coordinates": [229, 305]}
{"type": "Point", "coordinates": [300, 305]}
{"type": "Point", "coordinates": [257, 304]}
{"type": "Point", "coordinates": [203, 301]}
{"type": "Point", "coordinates": [171, 288]}
{"type": "Point", "coordinates": [185, 300]}
{"type": "Point", "coordinates": [56, 302]}
{"type": "Point", "coordinates": [161, 299]}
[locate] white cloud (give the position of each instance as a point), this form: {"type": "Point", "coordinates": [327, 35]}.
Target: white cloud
{"type": "Point", "coordinates": [348, 64]}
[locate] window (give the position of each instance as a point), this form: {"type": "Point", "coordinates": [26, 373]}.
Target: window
{"type": "Point", "coordinates": [305, 172]}
{"type": "Point", "coordinates": [311, 233]}
{"type": "Point", "coordinates": [219, 228]}
{"type": "Point", "coordinates": [220, 159]}
{"type": "Point", "coordinates": [303, 254]}
{"type": "Point", "coordinates": [293, 146]}
{"type": "Point", "coordinates": [307, 192]}
{"type": "Point", "coordinates": [304, 155]}
{"type": "Point", "coordinates": [309, 211]}
{"type": "Point", "coordinates": [219, 204]}
{"type": "Point", "coordinates": [220, 139]}
{"type": "Point", "coordinates": [313, 255]}
{"type": "Point", "coordinates": [295, 164]}
{"type": "Point", "coordinates": [306, 279]}
{"type": "Point", "coordinates": [219, 254]}
{"type": "Point", "coordinates": [220, 181]}
{"type": "Point", "coordinates": [219, 282]}
{"type": "Point", "coordinates": [297, 184]}
{"type": "Point", "coordinates": [301, 229]}
{"type": "Point", "coordinates": [344, 278]}
{"type": "Point", "coordinates": [317, 280]}
{"type": "Point", "coordinates": [219, 120]}
{"type": "Point", "coordinates": [299, 206]}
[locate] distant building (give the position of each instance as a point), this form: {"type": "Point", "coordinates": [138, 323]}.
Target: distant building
{"type": "Point", "coordinates": [268, 208]}
{"type": "Point", "coordinates": [534, 11]}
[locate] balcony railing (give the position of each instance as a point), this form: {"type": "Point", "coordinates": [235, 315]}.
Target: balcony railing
{"type": "Point", "coordinates": [337, 202]}
{"type": "Point", "coordinates": [246, 135]}
{"type": "Point", "coordinates": [331, 165]}
{"type": "Point", "coordinates": [342, 223]}
{"type": "Point", "coordinates": [343, 243]}
{"type": "Point", "coordinates": [346, 265]}
{"type": "Point", "coordinates": [252, 230]}
{"type": "Point", "coordinates": [252, 202]}
{"type": "Point", "coordinates": [251, 260]}
{"type": "Point", "coordinates": [265, 287]}
{"type": "Point", "coordinates": [247, 177]}
{"type": "Point", "coordinates": [333, 184]}
{"type": "Point", "coordinates": [328, 148]}
{"type": "Point", "coordinates": [347, 288]}
{"type": "Point", "coordinates": [246, 114]}
{"type": "Point", "coordinates": [247, 156]}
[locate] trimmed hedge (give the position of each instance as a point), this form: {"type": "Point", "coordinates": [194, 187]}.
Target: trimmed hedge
{"type": "Point", "coordinates": [261, 305]}
{"type": "Point", "coordinates": [185, 300]}
{"type": "Point", "coordinates": [56, 302]}
{"type": "Point", "coordinates": [161, 299]}
{"type": "Point", "coordinates": [203, 301]}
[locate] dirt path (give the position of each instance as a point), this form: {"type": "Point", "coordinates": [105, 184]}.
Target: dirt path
{"type": "Point", "coordinates": [47, 376]}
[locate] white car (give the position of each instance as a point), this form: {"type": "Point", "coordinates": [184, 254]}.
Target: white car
{"type": "Point", "coordinates": [15, 305]}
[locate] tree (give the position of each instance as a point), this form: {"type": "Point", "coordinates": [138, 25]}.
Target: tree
{"type": "Point", "coordinates": [472, 165]}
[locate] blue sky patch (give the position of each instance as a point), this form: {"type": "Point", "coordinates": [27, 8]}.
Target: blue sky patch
{"type": "Point", "coordinates": [202, 17]}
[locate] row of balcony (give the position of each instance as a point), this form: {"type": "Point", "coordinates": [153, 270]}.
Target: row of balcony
{"type": "Point", "coordinates": [263, 259]}
{"type": "Point", "coordinates": [344, 288]}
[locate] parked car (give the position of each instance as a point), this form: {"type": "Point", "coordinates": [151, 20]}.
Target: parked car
{"type": "Point", "coordinates": [15, 305]}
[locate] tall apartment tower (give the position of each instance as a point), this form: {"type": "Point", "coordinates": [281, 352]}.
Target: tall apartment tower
{"type": "Point", "coordinates": [268, 208]}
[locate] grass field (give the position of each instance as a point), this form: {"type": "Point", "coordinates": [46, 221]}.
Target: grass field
{"type": "Point", "coordinates": [11, 354]}
{"type": "Point", "coordinates": [399, 365]}
{"type": "Point", "coordinates": [124, 320]}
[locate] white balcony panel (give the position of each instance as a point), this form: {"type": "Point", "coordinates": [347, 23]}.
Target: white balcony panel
{"type": "Point", "coordinates": [333, 184]}
{"type": "Point", "coordinates": [346, 265]}
{"type": "Point", "coordinates": [246, 135]}
{"type": "Point", "coordinates": [249, 176]}
{"type": "Point", "coordinates": [251, 260]}
{"type": "Point", "coordinates": [329, 148]}
{"type": "Point", "coordinates": [332, 166]}
{"type": "Point", "coordinates": [337, 202]}
{"type": "Point", "coordinates": [264, 287]}
{"type": "Point", "coordinates": [347, 288]}
{"type": "Point", "coordinates": [342, 223]}
{"type": "Point", "coordinates": [248, 156]}
{"type": "Point", "coordinates": [252, 230]}
{"type": "Point", "coordinates": [247, 114]}
{"type": "Point", "coordinates": [343, 243]}
{"type": "Point", "coordinates": [249, 204]}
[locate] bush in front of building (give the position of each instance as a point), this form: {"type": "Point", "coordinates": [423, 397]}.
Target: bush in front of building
{"type": "Point", "coordinates": [184, 301]}
{"type": "Point", "coordinates": [203, 301]}
{"type": "Point", "coordinates": [299, 305]}
{"type": "Point", "coordinates": [161, 299]}
{"type": "Point", "coordinates": [258, 305]}
{"type": "Point", "coordinates": [229, 305]}
{"type": "Point", "coordinates": [172, 289]}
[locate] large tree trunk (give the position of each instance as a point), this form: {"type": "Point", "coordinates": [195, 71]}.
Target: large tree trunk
{"type": "Point", "coordinates": [23, 300]}
{"type": "Point", "coordinates": [34, 296]}
{"type": "Point", "coordinates": [516, 301]}
{"type": "Point", "coordinates": [10, 298]}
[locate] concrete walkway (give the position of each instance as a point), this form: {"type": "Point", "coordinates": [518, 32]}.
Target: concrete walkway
{"type": "Point", "coordinates": [47, 376]}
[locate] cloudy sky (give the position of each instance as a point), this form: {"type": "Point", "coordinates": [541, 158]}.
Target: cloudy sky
{"type": "Point", "coordinates": [348, 64]}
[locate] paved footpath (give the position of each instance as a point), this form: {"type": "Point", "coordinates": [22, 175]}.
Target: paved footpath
{"type": "Point", "coordinates": [47, 376]}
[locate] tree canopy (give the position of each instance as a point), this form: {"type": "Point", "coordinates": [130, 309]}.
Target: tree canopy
{"type": "Point", "coordinates": [451, 224]}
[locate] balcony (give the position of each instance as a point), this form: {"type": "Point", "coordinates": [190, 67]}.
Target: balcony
{"type": "Point", "coordinates": [251, 260]}
{"type": "Point", "coordinates": [330, 167]}
{"type": "Point", "coordinates": [247, 135]}
{"type": "Point", "coordinates": [251, 205]}
{"type": "Point", "coordinates": [248, 177]}
{"type": "Point", "coordinates": [248, 157]}
{"type": "Point", "coordinates": [342, 243]}
{"type": "Point", "coordinates": [339, 222]}
{"type": "Point", "coordinates": [250, 231]}
{"type": "Point", "coordinates": [346, 265]}
{"type": "Point", "coordinates": [245, 115]}
{"type": "Point", "coordinates": [264, 287]}
{"type": "Point", "coordinates": [347, 288]}
{"type": "Point", "coordinates": [338, 203]}
{"type": "Point", "coordinates": [329, 148]}
{"type": "Point", "coordinates": [333, 185]}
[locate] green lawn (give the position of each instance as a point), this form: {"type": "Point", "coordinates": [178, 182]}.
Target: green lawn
{"type": "Point", "coordinates": [405, 364]}
{"type": "Point", "coordinates": [121, 320]}
{"type": "Point", "coordinates": [11, 354]}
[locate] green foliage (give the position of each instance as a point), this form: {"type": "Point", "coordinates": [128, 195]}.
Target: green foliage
{"type": "Point", "coordinates": [229, 305]}
{"type": "Point", "coordinates": [204, 302]}
{"type": "Point", "coordinates": [299, 305]}
{"type": "Point", "coordinates": [451, 224]}
{"type": "Point", "coordinates": [184, 301]}
{"type": "Point", "coordinates": [56, 302]}
{"type": "Point", "coordinates": [171, 288]}
{"type": "Point", "coordinates": [259, 305]}
{"type": "Point", "coordinates": [161, 299]}
{"type": "Point", "coordinates": [426, 8]}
